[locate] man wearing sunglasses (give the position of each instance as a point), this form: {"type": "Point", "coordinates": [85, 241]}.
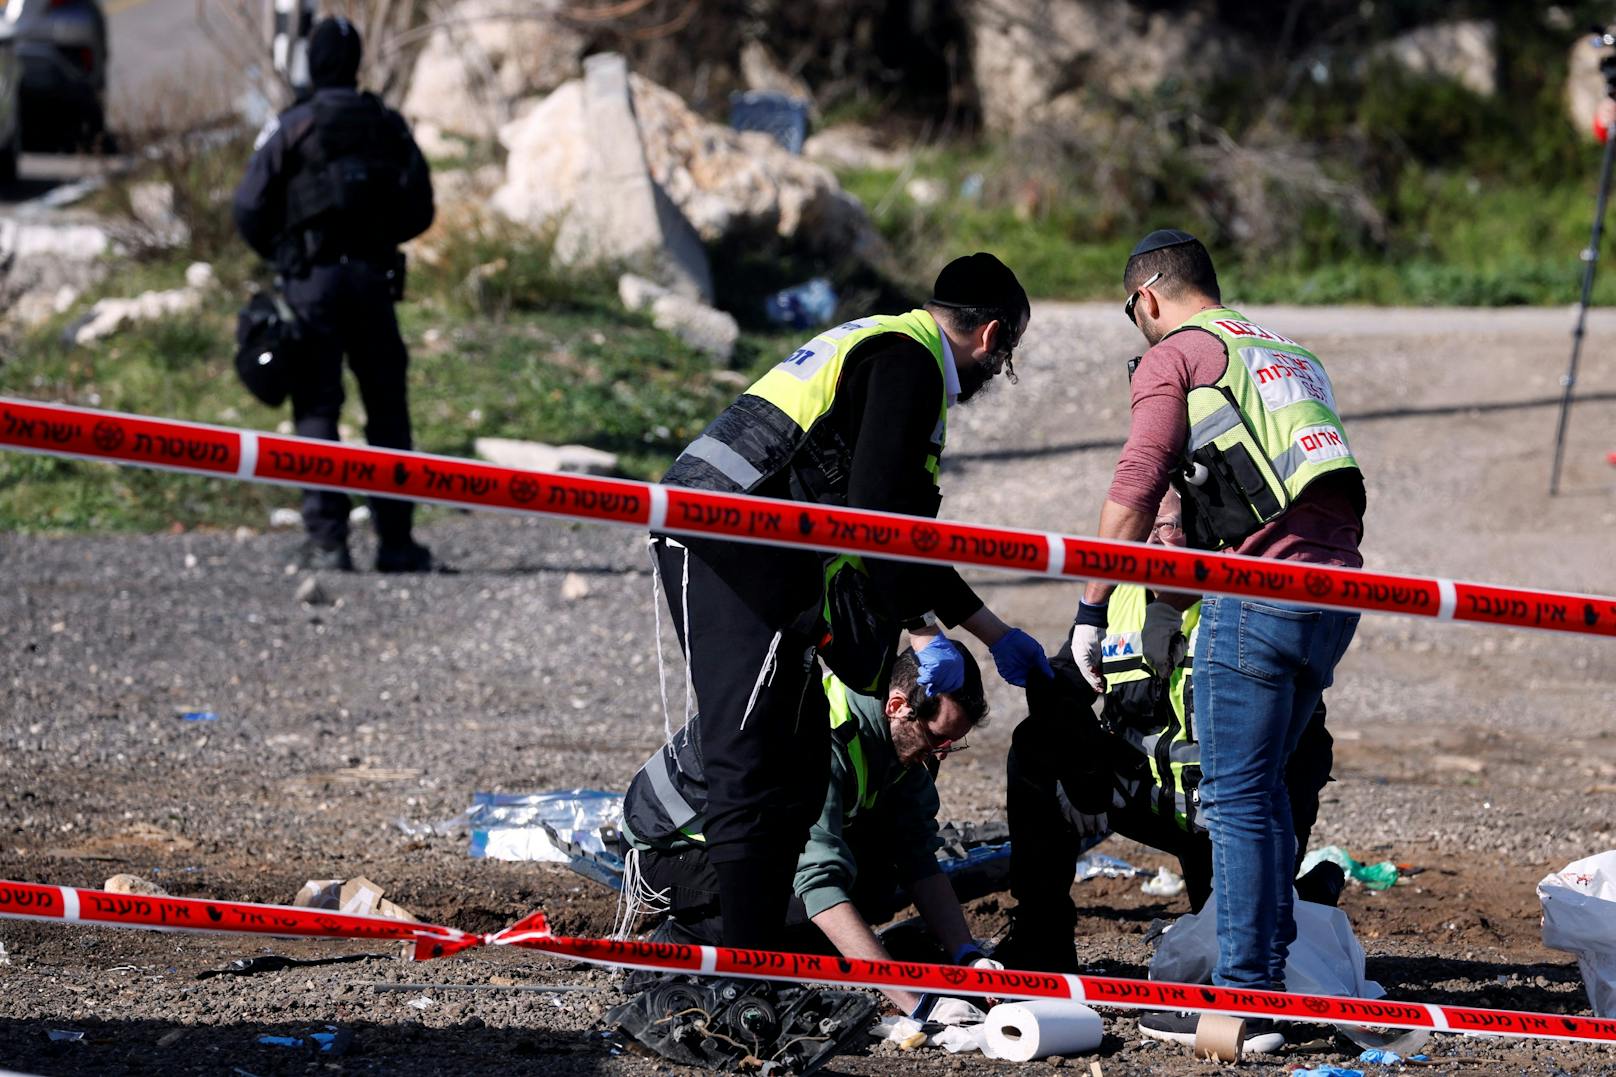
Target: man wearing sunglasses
{"type": "Point", "coordinates": [1242, 421]}
{"type": "Point", "coordinates": [876, 834]}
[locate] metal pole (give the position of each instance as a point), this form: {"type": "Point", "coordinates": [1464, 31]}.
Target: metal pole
{"type": "Point", "coordinates": [1590, 262]}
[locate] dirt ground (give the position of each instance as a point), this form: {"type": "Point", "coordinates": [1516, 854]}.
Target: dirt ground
{"type": "Point", "coordinates": [1484, 757]}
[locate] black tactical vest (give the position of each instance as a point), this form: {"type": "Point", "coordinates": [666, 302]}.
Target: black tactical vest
{"type": "Point", "coordinates": [347, 180]}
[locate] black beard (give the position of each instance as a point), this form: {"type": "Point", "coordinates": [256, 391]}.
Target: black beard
{"type": "Point", "coordinates": [973, 379]}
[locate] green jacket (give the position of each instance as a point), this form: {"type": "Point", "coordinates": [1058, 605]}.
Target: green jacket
{"type": "Point", "coordinates": [664, 807]}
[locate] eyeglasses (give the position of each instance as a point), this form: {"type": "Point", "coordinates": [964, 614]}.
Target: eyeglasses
{"type": "Point", "coordinates": [937, 749]}
{"type": "Point", "coordinates": [1172, 523]}
{"type": "Point", "coordinates": [1127, 308]}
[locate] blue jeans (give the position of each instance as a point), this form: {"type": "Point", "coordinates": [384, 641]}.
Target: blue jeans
{"type": "Point", "coordinates": [1260, 669]}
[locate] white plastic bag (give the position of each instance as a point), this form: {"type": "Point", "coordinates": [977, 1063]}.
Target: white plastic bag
{"type": "Point", "coordinates": [1325, 959]}
{"type": "Point", "coordinates": [1579, 917]}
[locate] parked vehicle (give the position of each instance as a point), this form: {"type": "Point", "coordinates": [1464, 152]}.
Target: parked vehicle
{"type": "Point", "coordinates": [62, 45]}
{"type": "Point", "coordinates": [10, 111]}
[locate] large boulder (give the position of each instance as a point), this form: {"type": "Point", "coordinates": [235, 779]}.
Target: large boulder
{"type": "Point", "coordinates": [484, 56]}
{"type": "Point", "coordinates": [1034, 60]}
{"type": "Point", "coordinates": [578, 162]}
{"type": "Point", "coordinates": [725, 184]}
{"type": "Point", "coordinates": [1465, 51]}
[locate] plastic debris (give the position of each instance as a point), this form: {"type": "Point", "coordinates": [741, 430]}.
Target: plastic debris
{"type": "Point", "coordinates": [971, 187]}
{"type": "Point", "coordinates": [576, 827]}
{"type": "Point", "coordinates": [332, 1041]}
{"type": "Point", "coordinates": [5, 957]}
{"type": "Point", "coordinates": [1099, 864]}
{"type": "Point", "coordinates": [198, 716]}
{"type": "Point", "coordinates": [62, 1035]}
{"type": "Point", "coordinates": [285, 518]}
{"type": "Point", "coordinates": [1381, 876]}
{"type": "Point", "coordinates": [1165, 883]}
{"type": "Point", "coordinates": [421, 1002]}
{"type": "Point", "coordinates": [778, 115]}
{"type": "Point", "coordinates": [1579, 917]}
{"type": "Point", "coordinates": [802, 306]}
{"type": "Point", "coordinates": [1327, 1071]}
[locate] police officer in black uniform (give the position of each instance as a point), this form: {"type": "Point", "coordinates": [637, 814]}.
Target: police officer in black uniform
{"type": "Point", "coordinates": [335, 185]}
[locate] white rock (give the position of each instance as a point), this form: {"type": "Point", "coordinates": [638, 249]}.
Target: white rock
{"type": "Point", "coordinates": [638, 293]}
{"type": "Point", "coordinates": [282, 518]}
{"type": "Point", "coordinates": [578, 158]}
{"type": "Point", "coordinates": [702, 327]}
{"type": "Point", "coordinates": [851, 146]}
{"type": "Point", "coordinates": [925, 192]}
{"type": "Point", "coordinates": [1465, 51]}
{"type": "Point", "coordinates": [199, 275]}
{"type": "Point", "coordinates": [574, 587]}
{"type": "Point", "coordinates": [484, 56]}
{"type": "Point", "coordinates": [64, 298]}
{"type": "Point", "coordinates": [133, 884]}
{"type": "Point", "coordinates": [537, 456]}
{"type": "Point", "coordinates": [359, 515]}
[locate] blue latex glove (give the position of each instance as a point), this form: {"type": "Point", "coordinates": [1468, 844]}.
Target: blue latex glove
{"type": "Point", "coordinates": [941, 667]}
{"type": "Point", "coordinates": [1018, 654]}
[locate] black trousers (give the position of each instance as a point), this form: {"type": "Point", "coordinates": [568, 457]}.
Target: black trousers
{"type": "Point", "coordinates": [1063, 770]}
{"type": "Point", "coordinates": [695, 917]}
{"type": "Point", "coordinates": [764, 722]}
{"type": "Point", "coordinates": [347, 309]}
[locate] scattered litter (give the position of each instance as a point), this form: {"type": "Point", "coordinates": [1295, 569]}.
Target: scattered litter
{"type": "Point", "coordinates": [1165, 883]}
{"type": "Point", "coordinates": [310, 593]}
{"type": "Point", "coordinates": [133, 884]}
{"type": "Point", "coordinates": [387, 985]}
{"type": "Point", "coordinates": [1379, 1056]}
{"type": "Point", "coordinates": [253, 966]}
{"type": "Point", "coordinates": [1579, 917]}
{"type": "Point", "coordinates": [354, 897]}
{"type": "Point", "coordinates": [420, 1003]}
{"type": "Point", "coordinates": [1381, 876]}
{"type": "Point", "coordinates": [1327, 1071]}
{"type": "Point", "coordinates": [781, 116]}
{"type": "Point", "coordinates": [62, 1035]}
{"type": "Point", "coordinates": [1325, 959]}
{"type": "Point", "coordinates": [1095, 1070]}
{"type": "Point", "coordinates": [5, 956]}
{"type": "Point", "coordinates": [971, 187]}
{"type": "Point", "coordinates": [802, 306]}
{"type": "Point", "coordinates": [333, 1041]}
{"type": "Point", "coordinates": [171, 1037]}
{"type": "Point", "coordinates": [576, 827]}
{"type": "Point", "coordinates": [198, 716]}
{"type": "Point", "coordinates": [1099, 864]}
{"type": "Point", "coordinates": [285, 518]}
{"type": "Point", "coordinates": [574, 587]}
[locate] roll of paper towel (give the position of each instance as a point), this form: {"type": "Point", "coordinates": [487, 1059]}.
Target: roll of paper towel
{"type": "Point", "coordinates": [1023, 1031]}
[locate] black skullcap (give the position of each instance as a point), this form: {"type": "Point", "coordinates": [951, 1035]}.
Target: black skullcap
{"type": "Point", "coordinates": [334, 52]}
{"type": "Point", "coordinates": [978, 280]}
{"type": "Point", "coordinates": [1161, 237]}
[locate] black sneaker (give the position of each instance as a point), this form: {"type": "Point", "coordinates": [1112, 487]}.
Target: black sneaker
{"type": "Point", "coordinates": [321, 557]}
{"type": "Point", "coordinates": [1032, 949]}
{"type": "Point", "coordinates": [1262, 1035]}
{"type": "Point", "coordinates": [411, 558]}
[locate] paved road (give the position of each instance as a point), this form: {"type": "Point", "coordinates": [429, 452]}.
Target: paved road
{"type": "Point", "coordinates": [159, 47]}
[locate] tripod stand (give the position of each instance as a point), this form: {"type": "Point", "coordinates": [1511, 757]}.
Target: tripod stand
{"type": "Point", "coordinates": [1590, 262]}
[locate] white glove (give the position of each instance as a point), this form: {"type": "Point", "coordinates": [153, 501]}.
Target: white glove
{"type": "Point", "coordinates": [1086, 641]}
{"type": "Point", "coordinates": [988, 963]}
{"type": "Point", "coordinates": [956, 1011]}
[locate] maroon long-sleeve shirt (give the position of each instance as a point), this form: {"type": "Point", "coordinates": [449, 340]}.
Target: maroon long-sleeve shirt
{"type": "Point", "coordinates": [1323, 525]}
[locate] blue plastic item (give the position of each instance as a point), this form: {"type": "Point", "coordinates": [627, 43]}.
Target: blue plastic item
{"type": "Point", "coordinates": [780, 116]}
{"type": "Point", "coordinates": [1379, 1056]}
{"type": "Point", "coordinates": [802, 306]}
{"type": "Point", "coordinates": [1327, 1071]}
{"type": "Point", "coordinates": [199, 716]}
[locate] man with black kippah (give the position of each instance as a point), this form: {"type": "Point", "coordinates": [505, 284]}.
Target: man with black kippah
{"type": "Point", "coordinates": [335, 184]}
{"type": "Point", "coordinates": [854, 417]}
{"type": "Point", "coordinates": [1242, 421]}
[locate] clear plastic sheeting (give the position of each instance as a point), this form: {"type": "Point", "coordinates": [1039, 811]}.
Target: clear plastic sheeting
{"type": "Point", "coordinates": [1579, 917]}
{"type": "Point", "coordinates": [576, 827]}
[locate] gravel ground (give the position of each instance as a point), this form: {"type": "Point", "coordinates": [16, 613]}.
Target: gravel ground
{"type": "Point", "coordinates": [1483, 756]}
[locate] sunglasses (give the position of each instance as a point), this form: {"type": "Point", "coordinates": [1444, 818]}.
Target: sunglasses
{"type": "Point", "coordinates": [1127, 308]}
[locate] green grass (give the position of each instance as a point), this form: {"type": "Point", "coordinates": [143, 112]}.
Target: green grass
{"type": "Point", "coordinates": [534, 354]}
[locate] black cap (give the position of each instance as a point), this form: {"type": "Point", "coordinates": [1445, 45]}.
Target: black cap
{"type": "Point", "coordinates": [978, 280]}
{"type": "Point", "coordinates": [1161, 237]}
{"type": "Point", "coordinates": [334, 52]}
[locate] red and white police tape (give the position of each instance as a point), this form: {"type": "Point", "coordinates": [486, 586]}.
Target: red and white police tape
{"type": "Point", "coordinates": [102, 908]}
{"type": "Point", "coordinates": [98, 908]}
{"type": "Point", "coordinates": [222, 452]}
